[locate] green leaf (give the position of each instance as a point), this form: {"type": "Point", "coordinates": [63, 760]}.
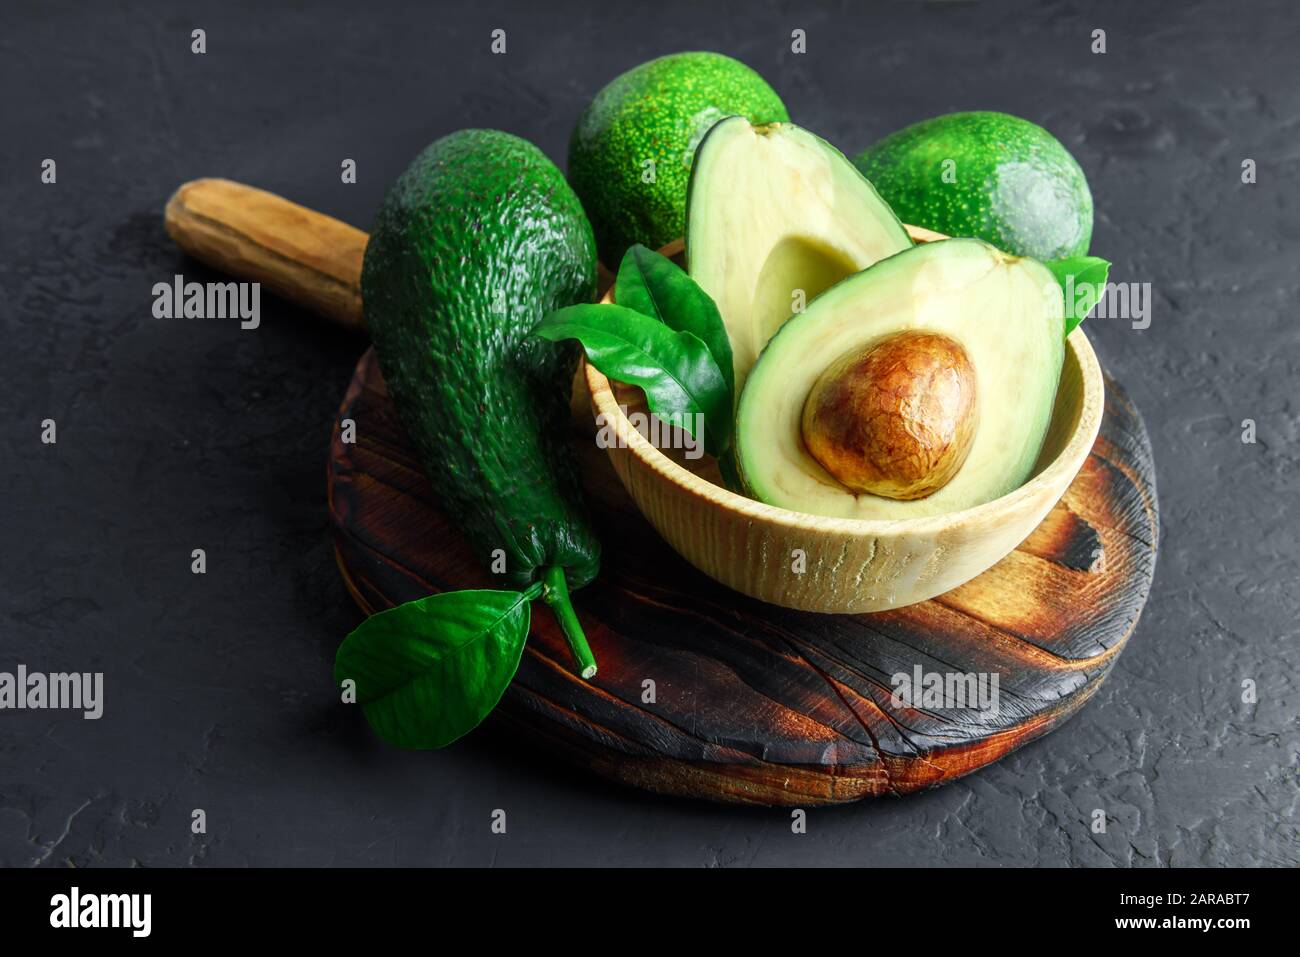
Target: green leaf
{"type": "Point", "coordinates": [1082, 280]}
{"type": "Point", "coordinates": [675, 369]}
{"type": "Point", "coordinates": [655, 286]}
{"type": "Point", "coordinates": [430, 670]}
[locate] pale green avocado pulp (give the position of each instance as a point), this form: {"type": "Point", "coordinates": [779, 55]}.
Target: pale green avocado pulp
{"type": "Point", "coordinates": [631, 153]}
{"type": "Point", "coordinates": [1007, 313]}
{"type": "Point", "coordinates": [774, 216]}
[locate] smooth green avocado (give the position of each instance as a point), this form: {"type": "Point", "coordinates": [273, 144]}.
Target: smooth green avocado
{"type": "Point", "coordinates": [775, 215]}
{"type": "Point", "coordinates": [630, 154]}
{"type": "Point", "coordinates": [476, 241]}
{"type": "Point", "coordinates": [985, 175]}
{"type": "Point", "coordinates": [1004, 317]}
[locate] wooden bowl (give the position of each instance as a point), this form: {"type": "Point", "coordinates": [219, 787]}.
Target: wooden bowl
{"type": "Point", "coordinates": [848, 565]}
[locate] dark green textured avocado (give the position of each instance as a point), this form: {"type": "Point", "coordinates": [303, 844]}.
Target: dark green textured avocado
{"type": "Point", "coordinates": [658, 111]}
{"type": "Point", "coordinates": [474, 243]}
{"type": "Point", "coordinates": [986, 175]}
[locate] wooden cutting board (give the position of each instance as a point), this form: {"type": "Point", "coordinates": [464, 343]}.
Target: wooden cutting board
{"type": "Point", "coordinates": [751, 702]}
{"type": "Point", "coordinates": [705, 693]}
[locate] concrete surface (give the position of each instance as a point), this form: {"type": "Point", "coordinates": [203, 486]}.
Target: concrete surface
{"type": "Point", "coordinates": [174, 435]}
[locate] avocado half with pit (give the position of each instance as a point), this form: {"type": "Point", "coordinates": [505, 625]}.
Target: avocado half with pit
{"type": "Point", "coordinates": [920, 386]}
{"type": "Point", "coordinates": [775, 215]}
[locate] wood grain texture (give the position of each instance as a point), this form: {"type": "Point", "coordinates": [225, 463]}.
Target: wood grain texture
{"type": "Point", "coordinates": [305, 256]}
{"type": "Point", "coordinates": [849, 565]}
{"type": "Point", "coordinates": [760, 704]}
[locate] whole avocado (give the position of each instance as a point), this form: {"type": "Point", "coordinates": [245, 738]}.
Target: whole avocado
{"type": "Point", "coordinates": [657, 111]}
{"type": "Point", "coordinates": [477, 240]}
{"type": "Point", "coordinates": [1009, 182]}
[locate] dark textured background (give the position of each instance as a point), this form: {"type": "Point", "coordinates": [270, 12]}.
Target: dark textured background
{"type": "Point", "coordinates": [182, 434]}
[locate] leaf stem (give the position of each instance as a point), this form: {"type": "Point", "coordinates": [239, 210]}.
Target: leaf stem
{"type": "Point", "coordinates": [556, 596]}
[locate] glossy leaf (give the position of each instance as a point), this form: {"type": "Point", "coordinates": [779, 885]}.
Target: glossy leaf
{"type": "Point", "coordinates": [1082, 280]}
{"type": "Point", "coordinates": [655, 286]}
{"type": "Point", "coordinates": [675, 369]}
{"type": "Point", "coordinates": [430, 670]}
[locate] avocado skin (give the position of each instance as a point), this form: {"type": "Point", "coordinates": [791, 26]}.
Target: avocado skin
{"type": "Point", "coordinates": [659, 110]}
{"type": "Point", "coordinates": [743, 244]}
{"type": "Point", "coordinates": [1016, 186]}
{"type": "Point", "coordinates": [1005, 311]}
{"type": "Point", "coordinates": [482, 214]}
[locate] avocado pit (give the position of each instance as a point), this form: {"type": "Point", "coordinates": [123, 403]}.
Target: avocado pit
{"type": "Point", "coordinates": [896, 419]}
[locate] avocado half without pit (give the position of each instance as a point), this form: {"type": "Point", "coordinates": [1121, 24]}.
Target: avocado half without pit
{"type": "Point", "coordinates": [774, 216]}
{"type": "Point", "coordinates": [895, 419]}
{"type": "Point", "coordinates": [920, 386]}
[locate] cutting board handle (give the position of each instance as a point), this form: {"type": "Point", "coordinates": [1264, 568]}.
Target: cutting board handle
{"type": "Point", "coordinates": [307, 257]}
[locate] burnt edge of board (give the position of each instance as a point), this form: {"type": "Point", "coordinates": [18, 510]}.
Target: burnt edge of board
{"type": "Point", "coordinates": [767, 705]}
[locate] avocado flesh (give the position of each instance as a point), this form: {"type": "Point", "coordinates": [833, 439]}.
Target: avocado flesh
{"type": "Point", "coordinates": [1008, 315]}
{"type": "Point", "coordinates": [773, 209]}
{"type": "Point", "coordinates": [630, 154]}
